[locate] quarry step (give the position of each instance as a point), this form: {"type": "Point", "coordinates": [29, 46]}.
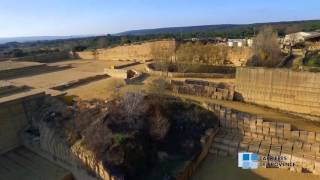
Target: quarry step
{"type": "Point", "coordinates": [24, 163]}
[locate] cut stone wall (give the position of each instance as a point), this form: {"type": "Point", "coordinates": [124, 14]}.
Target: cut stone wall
{"type": "Point", "coordinates": [298, 92]}
{"type": "Point", "coordinates": [203, 89]}
{"type": "Point", "coordinates": [46, 58]}
{"type": "Point", "coordinates": [14, 116]}
{"type": "Point", "coordinates": [143, 52]}
{"type": "Point", "coordinates": [140, 52]}
{"type": "Point", "coordinates": [117, 73]}
{"type": "Point", "coordinates": [151, 71]}
{"type": "Point", "coordinates": [244, 132]}
{"type": "Point", "coordinates": [239, 55]}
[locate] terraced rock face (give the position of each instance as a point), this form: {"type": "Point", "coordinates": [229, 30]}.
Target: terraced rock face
{"type": "Point", "coordinates": [24, 164]}
{"type": "Point", "coordinates": [244, 132]}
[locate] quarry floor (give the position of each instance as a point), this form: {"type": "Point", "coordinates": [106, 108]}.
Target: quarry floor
{"type": "Point", "coordinates": [108, 87]}
{"type": "Point", "coordinates": [24, 164]}
{"type": "Point", "coordinates": [226, 168]}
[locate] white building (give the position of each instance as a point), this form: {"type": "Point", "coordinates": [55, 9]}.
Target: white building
{"type": "Point", "coordinates": [300, 37]}
{"type": "Point", "coordinates": [240, 42]}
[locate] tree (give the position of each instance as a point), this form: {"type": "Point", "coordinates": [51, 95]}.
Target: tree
{"type": "Point", "coordinates": [266, 48]}
{"type": "Point", "coordinates": [132, 103]}
{"type": "Point", "coordinates": [162, 52]}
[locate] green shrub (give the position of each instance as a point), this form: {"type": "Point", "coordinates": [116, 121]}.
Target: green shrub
{"type": "Point", "coordinates": [120, 138]}
{"type": "Point", "coordinates": [314, 61]}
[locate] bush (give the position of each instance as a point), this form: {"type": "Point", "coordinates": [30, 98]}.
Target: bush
{"type": "Point", "coordinates": [314, 61]}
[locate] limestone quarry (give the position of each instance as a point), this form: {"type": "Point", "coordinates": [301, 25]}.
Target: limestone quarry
{"type": "Point", "coordinates": [114, 113]}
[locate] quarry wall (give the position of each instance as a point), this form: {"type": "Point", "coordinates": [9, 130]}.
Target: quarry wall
{"type": "Point", "coordinates": [141, 52]}
{"type": "Point", "coordinates": [239, 55]}
{"type": "Point", "coordinates": [146, 51]}
{"type": "Point", "coordinates": [284, 89]}
{"type": "Point", "coordinates": [14, 117]}
{"type": "Point", "coordinates": [46, 58]}
{"type": "Point", "coordinates": [203, 89]}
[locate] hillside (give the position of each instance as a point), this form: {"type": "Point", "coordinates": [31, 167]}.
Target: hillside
{"type": "Point", "coordinates": [282, 27]}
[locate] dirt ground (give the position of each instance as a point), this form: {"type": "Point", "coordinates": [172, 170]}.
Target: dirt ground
{"type": "Point", "coordinates": [102, 89]}
{"type": "Point", "coordinates": [227, 169]}
{"type": "Point", "coordinates": [266, 113]}
{"type": "Point", "coordinates": [80, 69]}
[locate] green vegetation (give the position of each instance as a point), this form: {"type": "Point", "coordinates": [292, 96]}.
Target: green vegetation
{"type": "Point", "coordinates": [201, 53]}
{"type": "Point", "coordinates": [15, 49]}
{"type": "Point", "coordinates": [314, 61]}
{"type": "Point", "coordinates": [266, 49]}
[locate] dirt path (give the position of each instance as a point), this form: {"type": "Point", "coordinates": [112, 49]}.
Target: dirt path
{"type": "Point", "coordinates": [266, 113]}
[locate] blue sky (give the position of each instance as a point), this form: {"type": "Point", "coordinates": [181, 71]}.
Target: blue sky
{"type": "Point", "coordinates": [82, 17]}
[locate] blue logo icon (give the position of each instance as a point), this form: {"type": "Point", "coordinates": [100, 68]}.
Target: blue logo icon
{"type": "Point", "coordinates": [247, 160]}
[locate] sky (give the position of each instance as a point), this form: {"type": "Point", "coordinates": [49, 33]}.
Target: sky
{"type": "Point", "coordinates": [97, 17]}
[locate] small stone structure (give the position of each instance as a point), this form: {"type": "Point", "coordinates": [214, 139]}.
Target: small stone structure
{"type": "Point", "coordinates": [151, 71]}
{"type": "Point", "coordinates": [244, 132]}
{"type": "Point", "coordinates": [129, 76]}
{"type": "Point", "coordinates": [203, 88]}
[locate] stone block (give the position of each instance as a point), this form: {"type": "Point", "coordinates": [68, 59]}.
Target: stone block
{"type": "Point", "coordinates": [247, 133]}
{"type": "Point", "coordinates": [259, 121]}
{"type": "Point", "coordinates": [273, 125]}
{"type": "Point", "coordinates": [259, 129]}
{"type": "Point", "coordinates": [246, 121]}
{"type": "Point", "coordinates": [280, 133]}
{"type": "Point", "coordinates": [254, 148]}
{"type": "Point", "coordinates": [240, 123]}
{"type": "Point", "coordinates": [311, 137]}
{"type": "Point", "coordinates": [295, 134]}
{"type": "Point", "coordinates": [272, 133]}
{"type": "Point", "coordinates": [253, 128]}
{"type": "Point", "coordinates": [318, 136]}
{"type": "Point", "coordinates": [228, 116]}
{"type": "Point", "coordinates": [260, 137]}
{"type": "Point", "coordinates": [273, 129]}
{"type": "Point", "coordinates": [266, 131]}
{"type": "Point", "coordinates": [281, 140]}
{"type": "Point", "coordinates": [287, 134]}
{"type": "Point", "coordinates": [315, 147]}
{"type": "Point", "coordinates": [228, 123]}
{"type": "Point", "coordinates": [287, 146]}
{"type": "Point", "coordinates": [266, 124]}
{"type": "Point", "coordinates": [297, 146]}
{"type": "Point", "coordinates": [303, 136]}
{"type": "Point", "coordinates": [306, 147]}
{"type": "Point", "coordinates": [217, 107]}
{"type": "Point", "coordinates": [234, 116]}
{"type": "Point", "coordinates": [316, 167]}
{"type": "Point", "coordinates": [243, 147]}
{"type": "Point", "coordinates": [287, 127]}
{"type": "Point", "coordinates": [268, 139]}
{"type": "Point", "coordinates": [254, 135]}
{"type": "Point", "coordinates": [274, 140]}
